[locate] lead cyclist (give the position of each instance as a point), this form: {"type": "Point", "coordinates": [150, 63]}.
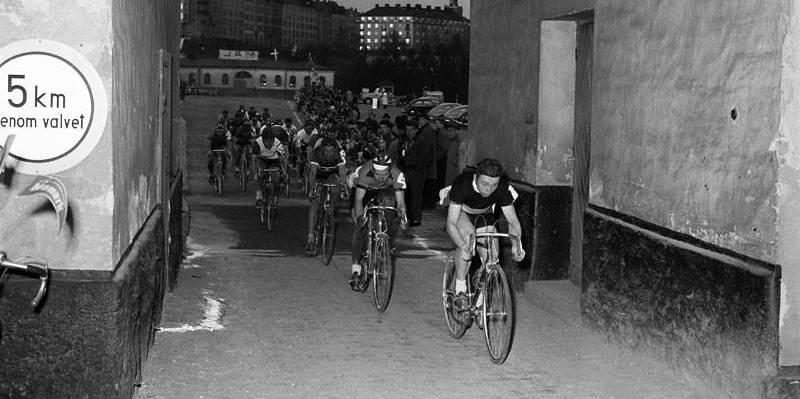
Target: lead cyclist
{"type": "Point", "coordinates": [473, 197]}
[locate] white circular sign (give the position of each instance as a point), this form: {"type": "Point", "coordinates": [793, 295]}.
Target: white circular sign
{"type": "Point", "coordinates": [53, 102]}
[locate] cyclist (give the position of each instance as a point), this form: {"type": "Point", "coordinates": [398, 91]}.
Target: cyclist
{"type": "Point", "coordinates": [218, 141]}
{"type": "Point", "coordinates": [381, 180]}
{"type": "Point", "coordinates": [327, 165]}
{"type": "Point", "coordinates": [471, 195]}
{"type": "Point", "coordinates": [270, 153]}
{"type": "Point", "coordinates": [243, 136]}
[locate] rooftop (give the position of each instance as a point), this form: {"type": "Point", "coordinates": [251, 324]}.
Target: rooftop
{"type": "Point", "coordinates": [416, 10]}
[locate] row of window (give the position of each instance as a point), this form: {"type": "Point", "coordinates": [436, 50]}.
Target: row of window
{"type": "Point", "coordinates": [277, 81]}
{"type": "Point", "coordinates": [408, 41]}
{"type": "Point", "coordinates": [385, 18]}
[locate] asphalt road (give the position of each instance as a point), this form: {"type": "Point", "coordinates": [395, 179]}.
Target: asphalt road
{"type": "Point", "coordinates": [253, 317]}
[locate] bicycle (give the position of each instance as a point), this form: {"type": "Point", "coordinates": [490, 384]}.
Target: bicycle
{"type": "Point", "coordinates": [39, 269]}
{"type": "Point", "coordinates": [325, 230]}
{"type": "Point", "coordinates": [219, 171]}
{"type": "Point", "coordinates": [270, 198]}
{"type": "Point", "coordinates": [379, 265]}
{"type": "Point", "coordinates": [491, 302]}
{"type": "Point", "coordinates": [244, 162]}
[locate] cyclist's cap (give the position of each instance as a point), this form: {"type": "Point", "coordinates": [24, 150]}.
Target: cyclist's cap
{"type": "Point", "coordinates": [381, 162]}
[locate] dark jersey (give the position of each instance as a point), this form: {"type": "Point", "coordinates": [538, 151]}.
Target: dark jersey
{"type": "Point", "coordinates": [336, 157]}
{"type": "Point", "coordinates": [367, 180]}
{"type": "Point", "coordinates": [464, 192]}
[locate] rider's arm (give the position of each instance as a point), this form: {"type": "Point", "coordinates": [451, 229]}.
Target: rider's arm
{"type": "Point", "coordinates": [359, 206]}
{"type": "Point", "coordinates": [513, 222]}
{"type": "Point", "coordinates": [453, 213]}
{"type": "Point", "coordinates": [400, 196]}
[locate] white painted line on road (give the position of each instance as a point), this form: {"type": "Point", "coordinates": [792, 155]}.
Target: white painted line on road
{"type": "Point", "coordinates": [214, 310]}
{"type": "Point", "coordinates": [423, 242]}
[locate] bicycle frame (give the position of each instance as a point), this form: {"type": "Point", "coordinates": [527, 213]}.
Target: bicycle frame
{"type": "Point", "coordinates": [371, 213]}
{"type": "Point", "coordinates": [39, 269]}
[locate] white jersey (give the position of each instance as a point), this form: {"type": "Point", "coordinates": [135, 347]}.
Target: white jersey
{"type": "Point", "coordinates": [273, 152]}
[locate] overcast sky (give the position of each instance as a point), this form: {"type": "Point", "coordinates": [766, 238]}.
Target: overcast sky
{"type": "Point", "coordinates": [366, 5]}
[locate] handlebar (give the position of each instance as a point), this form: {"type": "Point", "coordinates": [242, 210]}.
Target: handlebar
{"type": "Point", "coordinates": [373, 207]}
{"type": "Point", "coordinates": [39, 269]}
{"type": "Point", "coordinates": [473, 239]}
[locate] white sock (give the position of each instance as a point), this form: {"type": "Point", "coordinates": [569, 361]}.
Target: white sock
{"type": "Point", "coordinates": [461, 286]}
{"type": "Point", "coordinates": [356, 268]}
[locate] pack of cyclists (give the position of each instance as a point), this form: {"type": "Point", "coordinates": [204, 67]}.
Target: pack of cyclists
{"type": "Point", "coordinates": [359, 159]}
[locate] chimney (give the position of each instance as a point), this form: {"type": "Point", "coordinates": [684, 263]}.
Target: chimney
{"type": "Point", "coordinates": [418, 6]}
{"type": "Point", "coordinates": [427, 7]}
{"type": "Point", "coordinates": [437, 8]}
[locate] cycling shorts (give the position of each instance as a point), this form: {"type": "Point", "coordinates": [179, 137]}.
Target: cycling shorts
{"type": "Point", "coordinates": [481, 219]}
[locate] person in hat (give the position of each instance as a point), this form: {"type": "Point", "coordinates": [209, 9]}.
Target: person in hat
{"type": "Point", "coordinates": [381, 181]}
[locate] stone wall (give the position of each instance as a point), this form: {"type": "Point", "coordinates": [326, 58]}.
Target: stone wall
{"type": "Point", "coordinates": [706, 309]}
{"type": "Point", "coordinates": [91, 335]}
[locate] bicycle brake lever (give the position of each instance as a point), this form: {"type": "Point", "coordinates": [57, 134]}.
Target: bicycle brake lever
{"type": "Point", "coordinates": [40, 294]}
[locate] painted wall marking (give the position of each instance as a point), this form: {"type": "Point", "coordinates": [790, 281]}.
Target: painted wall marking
{"type": "Point", "coordinates": [54, 101]}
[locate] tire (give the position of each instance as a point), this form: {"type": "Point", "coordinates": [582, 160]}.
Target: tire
{"type": "Point", "coordinates": [268, 205]}
{"type": "Point", "coordinates": [455, 328]}
{"type": "Point", "coordinates": [243, 173]}
{"type": "Point", "coordinates": [498, 315]}
{"type": "Point", "coordinates": [328, 234]}
{"type": "Point", "coordinates": [219, 185]}
{"type": "Point", "coordinates": [383, 274]}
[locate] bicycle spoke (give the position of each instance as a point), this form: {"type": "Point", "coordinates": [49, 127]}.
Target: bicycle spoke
{"type": "Point", "coordinates": [498, 315]}
{"type": "Point", "coordinates": [383, 274]}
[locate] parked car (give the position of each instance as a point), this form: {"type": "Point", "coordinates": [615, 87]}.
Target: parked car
{"type": "Point", "coordinates": [456, 117]}
{"type": "Point", "coordinates": [420, 106]}
{"type": "Point", "coordinates": [438, 111]}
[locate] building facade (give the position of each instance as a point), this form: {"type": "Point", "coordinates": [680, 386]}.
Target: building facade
{"type": "Point", "coordinates": [411, 26]}
{"type": "Point", "coordinates": [282, 24]}
{"type": "Point", "coordinates": [264, 74]}
{"type": "Point", "coordinates": [668, 136]}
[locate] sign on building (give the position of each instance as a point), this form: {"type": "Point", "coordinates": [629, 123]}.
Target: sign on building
{"type": "Point", "coordinates": [238, 55]}
{"type": "Point", "coordinates": [53, 102]}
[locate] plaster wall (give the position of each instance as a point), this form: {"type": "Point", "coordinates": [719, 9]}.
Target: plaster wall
{"type": "Point", "coordinates": [504, 88]}
{"type": "Point", "coordinates": [686, 101]}
{"type": "Point", "coordinates": [140, 30]}
{"type": "Point", "coordinates": [788, 192]}
{"type": "Point", "coordinates": [28, 226]}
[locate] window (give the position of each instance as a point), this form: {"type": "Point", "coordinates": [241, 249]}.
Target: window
{"type": "Point", "coordinates": [322, 80]}
{"type": "Point", "coordinates": [278, 81]}
{"type": "Point", "coordinates": [292, 81]}
{"type": "Point", "coordinates": [262, 80]}
{"type": "Point", "coordinates": [225, 79]}
{"type": "Point", "coordinates": [192, 79]}
{"type": "Point", "coordinates": [307, 81]}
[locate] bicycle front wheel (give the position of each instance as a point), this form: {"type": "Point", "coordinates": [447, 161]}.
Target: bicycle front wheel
{"type": "Point", "coordinates": [268, 200]}
{"type": "Point", "coordinates": [383, 273]}
{"type": "Point", "coordinates": [328, 233]}
{"type": "Point", "coordinates": [498, 315]}
{"type": "Point", "coordinates": [218, 173]}
{"type": "Point", "coordinates": [455, 328]}
{"type": "Point", "coordinates": [243, 173]}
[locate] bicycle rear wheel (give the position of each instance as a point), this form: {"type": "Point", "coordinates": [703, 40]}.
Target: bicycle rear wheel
{"type": "Point", "coordinates": [455, 328]}
{"type": "Point", "coordinates": [498, 315]}
{"type": "Point", "coordinates": [382, 273]}
{"type": "Point", "coordinates": [328, 234]}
